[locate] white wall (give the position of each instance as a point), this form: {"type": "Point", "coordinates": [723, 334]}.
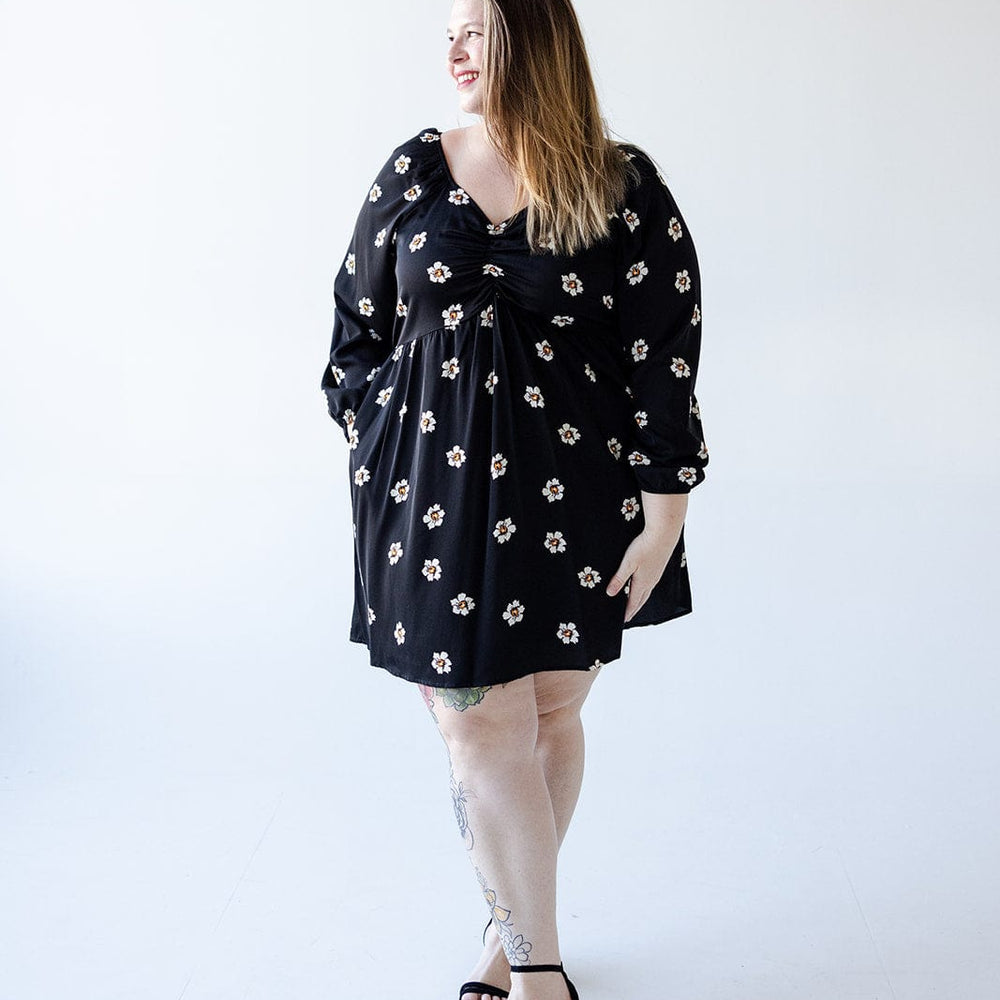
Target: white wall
{"type": "Point", "coordinates": [178, 183]}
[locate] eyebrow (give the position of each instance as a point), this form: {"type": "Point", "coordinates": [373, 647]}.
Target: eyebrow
{"type": "Point", "coordinates": [468, 24]}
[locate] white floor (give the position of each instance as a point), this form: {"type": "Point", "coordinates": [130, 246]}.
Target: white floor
{"type": "Point", "coordinates": [207, 793]}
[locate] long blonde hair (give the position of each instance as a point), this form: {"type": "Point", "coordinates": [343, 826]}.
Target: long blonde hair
{"type": "Point", "coordinates": [541, 112]}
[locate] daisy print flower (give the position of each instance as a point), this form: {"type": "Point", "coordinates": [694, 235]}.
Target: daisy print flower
{"type": "Point", "coordinates": [638, 458]}
{"type": "Point", "coordinates": [630, 219]}
{"type": "Point", "coordinates": [450, 368]}
{"type": "Point", "coordinates": [514, 613]}
{"type": "Point", "coordinates": [608, 300]}
{"type": "Point", "coordinates": [427, 422]}
{"type": "Point", "coordinates": [361, 475]}
{"type": "Point", "coordinates": [380, 237]}
{"type": "Point", "coordinates": [371, 615]}
{"type": "Point", "coordinates": [683, 282]}
{"type": "Point", "coordinates": [413, 193]}
{"type": "Point", "coordinates": [589, 372]}
{"type": "Point", "coordinates": [462, 604]}
{"type": "Point", "coordinates": [687, 475]}
{"type": "Point", "coordinates": [375, 193]}
{"type": "Point", "coordinates": [434, 517]}
{"type": "Point", "coordinates": [534, 395]}
{"type": "Point", "coordinates": [400, 491]}
{"type": "Point", "coordinates": [492, 270]}
{"type": "Point", "coordinates": [350, 263]}
{"type": "Point", "coordinates": [680, 368]}
{"type": "Point", "coordinates": [456, 456]}
{"type": "Point", "coordinates": [458, 197]}
{"type": "Point", "coordinates": [555, 542]}
{"type": "Point", "coordinates": [675, 229]}
{"type": "Point", "coordinates": [562, 320]}
{"type": "Point", "coordinates": [365, 306]}
{"type": "Point", "coordinates": [402, 164]}
{"type": "Point", "coordinates": [399, 634]}
{"type": "Point", "coordinates": [641, 418]}
{"type": "Point", "coordinates": [572, 284]}
{"type": "Point", "coordinates": [544, 349]}
{"type": "Point", "coordinates": [568, 434]}
{"type": "Point", "coordinates": [439, 272]}
{"type": "Point", "coordinates": [418, 242]}
{"type": "Point", "coordinates": [441, 662]}
{"type": "Point", "coordinates": [498, 465]}
{"type": "Point", "coordinates": [395, 552]}
{"type": "Point", "coordinates": [486, 316]}
{"type": "Point", "coordinates": [452, 315]}
{"type": "Point", "coordinates": [589, 577]}
{"type": "Point", "coordinates": [400, 307]}
{"type": "Point", "coordinates": [630, 507]}
{"type": "Point", "coordinates": [553, 490]}
{"type": "Point", "coordinates": [491, 381]}
{"type": "Point", "coordinates": [639, 350]}
{"type": "Point", "coordinates": [505, 527]}
{"type": "Point", "coordinates": [568, 632]}
{"type": "Point", "coordinates": [615, 447]}
{"type": "Point", "coordinates": [432, 569]}
{"type": "Point", "coordinates": [337, 373]}
{"type": "Point", "coordinates": [383, 396]}
{"type": "Point", "coordinates": [637, 272]}
{"type": "Point", "coordinates": [495, 230]}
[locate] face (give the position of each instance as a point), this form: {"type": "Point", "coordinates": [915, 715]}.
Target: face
{"type": "Point", "coordinates": [464, 36]}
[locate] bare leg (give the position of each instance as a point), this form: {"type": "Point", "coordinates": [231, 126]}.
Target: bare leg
{"type": "Point", "coordinates": [550, 722]}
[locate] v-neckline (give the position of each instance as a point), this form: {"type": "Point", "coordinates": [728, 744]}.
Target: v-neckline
{"type": "Point", "coordinates": [504, 223]}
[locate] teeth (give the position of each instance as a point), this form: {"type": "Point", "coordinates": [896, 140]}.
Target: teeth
{"type": "Point", "coordinates": [467, 76]}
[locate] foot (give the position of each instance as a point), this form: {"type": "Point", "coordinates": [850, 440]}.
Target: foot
{"type": "Point", "coordinates": [492, 967]}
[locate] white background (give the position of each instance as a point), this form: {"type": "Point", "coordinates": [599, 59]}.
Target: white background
{"type": "Point", "coordinates": [207, 792]}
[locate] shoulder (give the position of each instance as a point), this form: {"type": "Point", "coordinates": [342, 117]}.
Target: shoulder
{"type": "Point", "coordinates": [645, 175]}
{"type": "Point", "coordinates": [419, 153]}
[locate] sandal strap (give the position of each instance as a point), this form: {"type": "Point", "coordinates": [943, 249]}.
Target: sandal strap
{"type": "Point", "coordinates": [537, 968]}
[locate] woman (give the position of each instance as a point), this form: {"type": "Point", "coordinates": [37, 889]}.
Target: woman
{"type": "Point", "coordinates": [515, 345]}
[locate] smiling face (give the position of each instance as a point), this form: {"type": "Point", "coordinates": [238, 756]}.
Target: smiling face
{"type": "Point", "coordinates": [465, 52]}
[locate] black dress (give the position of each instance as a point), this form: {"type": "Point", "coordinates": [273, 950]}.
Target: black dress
{"type": "Point", "coordinates": [502, 412]}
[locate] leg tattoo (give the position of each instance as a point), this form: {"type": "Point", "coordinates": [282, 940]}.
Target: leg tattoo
{"type": "Point", "coordinates": [461, 698]}
{"type": "Point", "coordinates": [514, 945]}
{"type": "Point", "coordinates": [459, 795]}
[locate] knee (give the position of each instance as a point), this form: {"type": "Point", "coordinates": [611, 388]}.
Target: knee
{"type": "Point", "coordinates": [558, 726]}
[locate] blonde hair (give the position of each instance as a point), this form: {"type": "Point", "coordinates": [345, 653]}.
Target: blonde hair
{"type": "Point", "coordinates": [541, 112]}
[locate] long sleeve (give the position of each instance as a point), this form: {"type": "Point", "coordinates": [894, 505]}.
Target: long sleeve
{"type": "Point", "coordinates": [658, 301]}
{"type": "Point", "coordinates": [365, 295]}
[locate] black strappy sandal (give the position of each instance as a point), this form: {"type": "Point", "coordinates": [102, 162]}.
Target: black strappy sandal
{"type": "Point", "coordinates": [490, 991]}
{"type": "Point", "coordinates": [549, 968]}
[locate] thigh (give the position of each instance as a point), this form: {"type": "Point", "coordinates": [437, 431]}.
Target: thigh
{"type": "Point", "coordinates": [484, 714]}
{"type": "Point", "coordinates": [562, 691]}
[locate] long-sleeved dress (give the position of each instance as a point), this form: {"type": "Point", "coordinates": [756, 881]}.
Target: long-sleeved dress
{"type": "Point", "coordinates": [503, 411]}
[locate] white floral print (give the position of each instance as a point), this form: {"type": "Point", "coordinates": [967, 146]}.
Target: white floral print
{"type": "Point", "coordinates": [452, 315]}
{"type": "Point", "coordinates": [361, 475]}
{"type": "Point", "coordinates": [432, 569]}
{"type": "Point", "coordinates": [427, 422]}
{"type": "Point", "coordinates": [568, 632]}
{"type": "Point", "coordinates": [439, 272]}
{"type": "Point", "coordinates": [555, 542]}
{"type": "Point", "coordinates": [434, 517]}
{"type": "Point", "coordinates": [462, 604]}
{"type": "Point", "coordinates": [418, 242]}
{"type": "Point", "coordinates": [553, 490]}
{"type": "Point", "coordinates": [456, 456]}
{"type": "Point", "coordinates": [534, 395]}
{"type": "Point", "coordinates": [568, 434]}
{"type": "Point", "coordinates": [562, 320]}
{"type": "Point", "coordinates": [498, 465]}
{"type": "Point", "coordinates": [450, 368]}
{"type": "Point", "coordinates": [395, 552]}
{"type": "Point", "coordinates": [399, 634]}
{"type": "Point", "coordinates": [514, 613]}
{"type": "Point", "coordinates": [680, 368]}
{"type": "Point", "coordinates": [589, 577]}
{"type": "Point", "coordinates": [505, 527]}
{"type": "Point", "coordinates": [572, 284]}
{"type": "Point", "coordinates": [441, 662]}
{"type": "Point", "coordinates": [637, 272]}
{"type": "Point", "coordinates": [400, 491]}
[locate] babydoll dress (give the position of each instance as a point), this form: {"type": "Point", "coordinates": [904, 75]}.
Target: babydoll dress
{"type": "Point", "coordinates": [503, 410]}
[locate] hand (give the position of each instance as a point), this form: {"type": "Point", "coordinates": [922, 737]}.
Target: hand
{"type": "Point", "coordinates": [644, 561]}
